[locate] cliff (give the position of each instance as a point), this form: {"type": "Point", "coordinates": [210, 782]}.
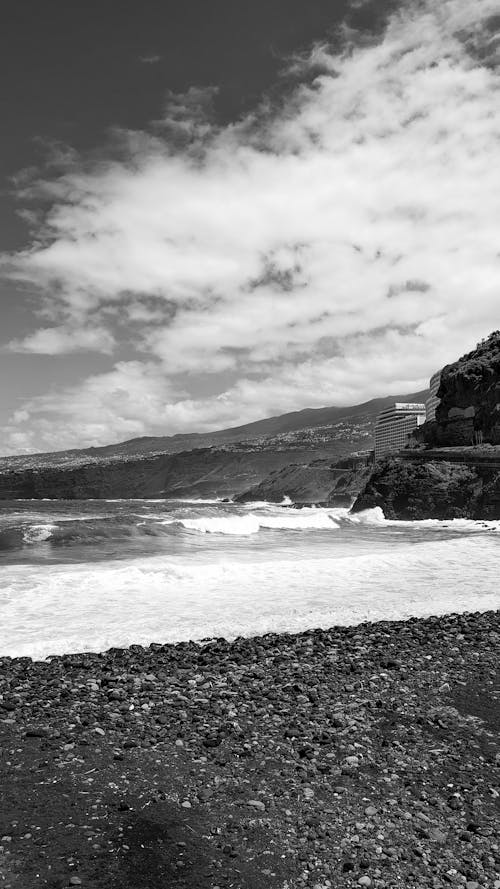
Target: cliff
{"type": "Point", "coordinates": [203, 472]}
{"type": "Point", "coordinates": [469, 408]}
{"type": "Point", "coordinates": [448, 484]}
{"type": "Point", "coordinates": [319, 482]}
{"type": "Point", "coordinates": [457, 474]}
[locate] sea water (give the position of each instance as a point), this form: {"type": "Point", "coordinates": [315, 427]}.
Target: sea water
{"type": "Point", "coordinates": [88, 575]}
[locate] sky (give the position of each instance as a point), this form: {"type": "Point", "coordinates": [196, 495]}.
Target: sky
{"type": "Point", "coordinates": [216, 212]}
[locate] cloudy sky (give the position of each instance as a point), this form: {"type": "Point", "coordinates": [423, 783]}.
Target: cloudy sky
{"type": "Point", "coordinates": [216, 212]}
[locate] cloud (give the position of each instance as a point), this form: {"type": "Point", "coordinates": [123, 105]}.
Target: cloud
{"type": "Point", "coordinates": [62, 340]}
{"type": "Point", "coordinates": [135, 399]}
{"type": "Point", "coordinates": [322, 251]}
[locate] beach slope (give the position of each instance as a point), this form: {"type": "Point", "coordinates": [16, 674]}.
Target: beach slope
{"type": "Point", "coordinates": [356, 756]}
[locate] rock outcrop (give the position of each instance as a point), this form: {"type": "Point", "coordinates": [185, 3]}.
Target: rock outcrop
{"type": "Point", "coordinates": [435, 486]}
{"type": "Point", "coordinates": [320, 482]}
{"type": "Point", "coordinates": [469, 408]}
{"type": "Point", "coordinates": [457, 474]}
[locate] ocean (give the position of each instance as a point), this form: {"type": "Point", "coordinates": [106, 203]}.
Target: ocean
{"type": "Point", "coordinates": [89, 575]}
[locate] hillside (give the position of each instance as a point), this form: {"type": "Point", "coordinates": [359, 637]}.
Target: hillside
{"type": "Point", "coordinates": [201, 472]}
{"type": "Point", "coordinates": [336, 430]}
{"type": "Point", "coordinates": [223, 464]}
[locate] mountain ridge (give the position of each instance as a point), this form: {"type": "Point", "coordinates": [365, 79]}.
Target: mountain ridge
{"type": "Point", "coordinates": [222, 464]}
{"type": "Point", "coordinates": [281, 424]}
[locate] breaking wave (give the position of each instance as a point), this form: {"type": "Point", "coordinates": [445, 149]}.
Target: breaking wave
{"type": "Point", "coordinates": [38, 533]}
{"type": "Point", "coordinates": [205, 519]}
{"type": "Point", "coordinates": [49, 609]}
{"type": "Point", "coordinates": [253, 523]}
{"type": "Point", "coordinates": [87, 575]}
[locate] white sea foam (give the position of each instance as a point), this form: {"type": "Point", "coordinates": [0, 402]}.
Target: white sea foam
{"type": "Point", "coordinates": [46, 609]}
{"type": "Point", "coordinates": [253, 523]}
{"type": "Point", "coordinates": [198, 501]}
{"type": "Point", "coordinates": [376, 516]}
{"type": "Point", "coordinates": [373, 516]}
{"type": "Point", "coordinates": [38, 533]}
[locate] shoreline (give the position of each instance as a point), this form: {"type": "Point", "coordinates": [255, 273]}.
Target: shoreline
{"type": "Point", "coordinates": [358, 755]}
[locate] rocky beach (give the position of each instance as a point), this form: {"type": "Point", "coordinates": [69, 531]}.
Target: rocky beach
{"type": "Point", "coordinates": [355, 756]}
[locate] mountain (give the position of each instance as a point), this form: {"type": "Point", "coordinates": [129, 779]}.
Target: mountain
{"type": "Point", "coordinates": [219, 464]}
{"type": "Point", "coordinates": [269, 428]}
{"type": "Point", "coordinates": [354, 424]}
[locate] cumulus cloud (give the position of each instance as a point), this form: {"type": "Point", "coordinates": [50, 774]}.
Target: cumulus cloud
{"type": "Point", "coordinates": [63, 340]}
{"type": "Point", "coordinates": [325, 251]}
{"type": "Point", "coordinates": [135, 399]}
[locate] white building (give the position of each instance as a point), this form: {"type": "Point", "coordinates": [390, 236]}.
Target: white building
{"type": "Point", "coordinates": [432, 401]}
{"type": "Point", "coordinates": [395, 424]}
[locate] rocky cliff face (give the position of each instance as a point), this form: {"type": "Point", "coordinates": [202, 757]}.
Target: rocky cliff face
{"type": "Point", "coordinates": [469, 408]}
{"type": "Point", "coordinates": [458, 474]}
{"type": "Point", "coordinates": [319, 482]}
{"type": "Point", "coordinates": [204, 472]}
{"type": "Point", "coordinates": [426, 488]}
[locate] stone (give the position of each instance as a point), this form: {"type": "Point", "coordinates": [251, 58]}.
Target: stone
{"type": "Point", "coordinates": [257, 804]}
{"type": "Point", "coordinates": [437, 836]}
{"type": "Point", "coordinates": [352, 761]}
{"type": "Point", "coordinates": [364, 881]}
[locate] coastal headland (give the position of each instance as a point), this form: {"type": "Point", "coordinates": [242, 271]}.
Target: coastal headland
{"type": "Point", "coordinates": [451, 468]}
{"type": "Point", "coordinates": [437, 483]}
{"type": "Point", "coordinates": [355, 756]}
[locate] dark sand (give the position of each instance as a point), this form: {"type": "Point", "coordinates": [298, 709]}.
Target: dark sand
{"type": "Point", "coordinates": [354, 756]}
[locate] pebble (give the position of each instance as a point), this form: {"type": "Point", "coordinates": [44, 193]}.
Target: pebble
{"type": "Point", "coordinates": [257, 804]}
{"type": "Point", "coordinates": [227, 722]}
{"type": "Point", "coordinates": [437, 835]}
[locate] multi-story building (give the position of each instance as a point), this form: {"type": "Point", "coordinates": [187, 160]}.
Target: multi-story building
{"type": "Point", "coordinates": [432, 401]}
{"type": "Point", "coordinates": [395, 424]}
